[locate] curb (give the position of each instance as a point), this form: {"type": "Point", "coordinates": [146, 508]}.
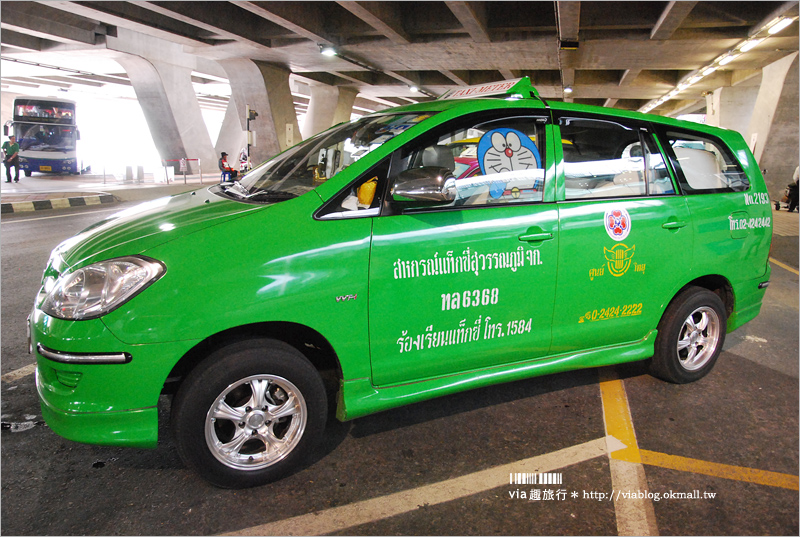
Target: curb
{"type": "Point", "coordinates": [57, 203]}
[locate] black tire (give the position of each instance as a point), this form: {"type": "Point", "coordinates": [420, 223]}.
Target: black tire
{"type": "Point", "coordinates": [690, 336]}
{"type": "Point", "coordinates": [232, 375]}
{"type": "Point", "coordinates": [28, 173]}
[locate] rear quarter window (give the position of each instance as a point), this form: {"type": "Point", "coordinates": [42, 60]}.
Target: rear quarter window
{"type": "Point", "coordinates": [704, 164]}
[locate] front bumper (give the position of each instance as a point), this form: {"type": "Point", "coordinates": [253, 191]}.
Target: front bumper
{"type": "Point", "coordinates": [48, 165]}
{"type": "Point", "coordinates": [132, 428]}
{"type": "Point", "coordinates": [99, 403]}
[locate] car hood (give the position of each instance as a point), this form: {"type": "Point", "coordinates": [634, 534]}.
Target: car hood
{"type": "Point", "coordinates": [136, 230]}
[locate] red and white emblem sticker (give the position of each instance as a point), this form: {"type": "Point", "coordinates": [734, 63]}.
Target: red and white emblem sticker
{"type": "Point", "coordinates": [618, 224]}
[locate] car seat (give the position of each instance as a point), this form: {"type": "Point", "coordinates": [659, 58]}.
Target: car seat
{"type": "Point", "coordinates": [700, 168]}
{"type": "Point", "coordinates": [440, 156]}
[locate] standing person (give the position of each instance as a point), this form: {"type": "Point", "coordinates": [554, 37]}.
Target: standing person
{"type": "Point", "coordinates": [11, 149]}
{"type": "Point", "coordinates": [793, 190]}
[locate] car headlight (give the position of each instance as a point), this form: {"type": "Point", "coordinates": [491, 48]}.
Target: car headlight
{"type": "Point", "coordinates": [99, 288]}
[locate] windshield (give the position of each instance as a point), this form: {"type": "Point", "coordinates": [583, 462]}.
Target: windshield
{"type": "Point", "coordinates": [44, 111]}
{"type": "Point", "coordinates": [311, 163]}
{"type": "Point", "coordinates": [45, 137]}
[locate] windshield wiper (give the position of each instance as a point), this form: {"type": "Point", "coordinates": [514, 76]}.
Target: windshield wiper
{"type": "Point", "coordinates": [237, 189]}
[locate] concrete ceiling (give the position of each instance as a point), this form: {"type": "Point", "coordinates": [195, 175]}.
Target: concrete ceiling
{"type": "Point", "coordinates": [628, 53]}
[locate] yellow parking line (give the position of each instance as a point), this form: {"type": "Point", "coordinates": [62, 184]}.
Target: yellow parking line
{"type": "Point", "coordinates": [620, 425]}
{"type": "Point", "coordinates": [618, 417]}
{"type": "Point", "coordinates": [784, 266]}
{"type": "Point", "coordinates": [726, 471]}
{"type": "Point", "coordinates": [635, 516]}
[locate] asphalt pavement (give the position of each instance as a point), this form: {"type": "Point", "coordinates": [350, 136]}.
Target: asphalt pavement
{"type": "Point", "coordinates": [718, 456]}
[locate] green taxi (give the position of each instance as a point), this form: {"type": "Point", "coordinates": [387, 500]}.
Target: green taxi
{"type": "Point", "coordinates": [355, 269]}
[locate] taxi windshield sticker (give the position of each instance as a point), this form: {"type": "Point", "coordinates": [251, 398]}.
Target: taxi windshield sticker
{"type": "Point", "coordinates": [507, 150]}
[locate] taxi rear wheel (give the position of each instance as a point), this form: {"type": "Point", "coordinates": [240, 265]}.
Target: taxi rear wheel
{"type": "Point", "coordinates": [251, 413]}
{"type": "Point", "coordinates": [690, 336]}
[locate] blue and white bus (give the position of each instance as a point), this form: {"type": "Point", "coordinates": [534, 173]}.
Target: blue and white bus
{"type": "Point", "coordinates": [47, 135]}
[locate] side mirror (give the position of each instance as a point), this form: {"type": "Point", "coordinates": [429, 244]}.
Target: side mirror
{"type": "Point", "coordinates": [431, 186]}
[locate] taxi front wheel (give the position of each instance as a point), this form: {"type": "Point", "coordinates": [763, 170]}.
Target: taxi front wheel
{"type": "Point", "coordinates": [690, 336]}
{"type": "Point", "coordinates": [249, 414]}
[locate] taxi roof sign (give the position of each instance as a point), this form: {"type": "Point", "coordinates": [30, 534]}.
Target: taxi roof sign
{"type": "Point", "coordinates": [517, 86]}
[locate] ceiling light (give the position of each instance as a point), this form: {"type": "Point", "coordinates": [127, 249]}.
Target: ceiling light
{"type": "Point", "coordinates": [750, 44]}
{"type": "Point", "coordinates": [327, 50]}
{"type": "Point", "coordinates": [709, 71]}
{"type": "Point", "coordinates": [414, 89]}
{"type": "Point", "coordinates": [780, 25]}
{"type": "Point", "coordinates": [695, 79]}
{"type": "Point", "coordinates": [727, 59]}
{"type": "Point", "coordinates": [568, 89]}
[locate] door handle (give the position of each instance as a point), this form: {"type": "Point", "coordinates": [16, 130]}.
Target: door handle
{"type": "Point", "coordinates": [536, 237]}
{"type": "Point", "coordinates": [674, 225]}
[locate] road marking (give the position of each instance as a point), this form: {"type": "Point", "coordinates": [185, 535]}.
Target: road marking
{"type": "Point", "coordinates": [366, 511]}
{"type": "Point", "coordinates": [4, 222]}
{"type": "Point", "coordinates": [714, 469]}
{"type": "Point", "coordinates": [620, 425]}
{"type": "Point", "coordinates": [19, 373]}
{"type": "Point", "coordinates": [784, 266]}
{"type": "Point", "coordinates": [635, 516]}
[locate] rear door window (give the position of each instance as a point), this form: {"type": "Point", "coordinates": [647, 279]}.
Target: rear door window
{"type": "Point", "coordinates": [610, 159]}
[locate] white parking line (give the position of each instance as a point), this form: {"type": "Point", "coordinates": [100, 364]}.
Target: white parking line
{"type": "Point", "coordinates": [635, 516]}
{"type": "Point", "coordinates": [19, 373]}
{"type": "Point", "coordinates": [363, 512]}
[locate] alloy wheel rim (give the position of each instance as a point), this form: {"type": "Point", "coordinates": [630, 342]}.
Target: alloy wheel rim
{"type": "Point", "coordinates": [256, 422]}
{"type": "Point", "coordinates": [698, 338]}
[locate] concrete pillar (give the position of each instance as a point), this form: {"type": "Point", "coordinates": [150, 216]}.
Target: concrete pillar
{"type": "Point", "coordinates": [232, 136]}
{"type": "Point", "coordinates": [329, 106]}
{"type": "Point", "coordinates": [773, 132]}
{"type": "Point", "coordinates": [344, 105]}
{"type": "Point", "coordinates": [170, 107]}
{"type": "Point", "coordinates": [731, 107]}
{"type": "Point", "coordinates": [266, 89]}
{"type": "Point", "coordinates": [7, 106]}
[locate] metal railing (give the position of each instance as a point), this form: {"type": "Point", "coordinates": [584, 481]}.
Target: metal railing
{"type": "Point", "coordinates": [183, 167]}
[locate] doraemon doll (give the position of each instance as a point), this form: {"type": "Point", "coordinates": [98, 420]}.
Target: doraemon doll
{"type": "Point", "coordinates": [506, 150]}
